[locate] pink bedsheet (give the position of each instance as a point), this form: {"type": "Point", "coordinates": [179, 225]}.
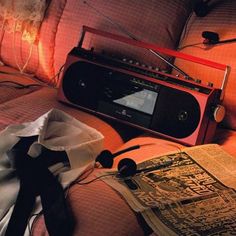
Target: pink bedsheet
{"type": "Point", "coordinates": [97, 208]}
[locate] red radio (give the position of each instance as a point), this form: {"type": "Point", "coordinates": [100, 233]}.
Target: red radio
{"type": "Point", "coordinates": [177, 108]}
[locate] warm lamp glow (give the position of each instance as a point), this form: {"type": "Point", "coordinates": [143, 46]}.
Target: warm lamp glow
{"type": "Point", "coordinates": [22, 16]}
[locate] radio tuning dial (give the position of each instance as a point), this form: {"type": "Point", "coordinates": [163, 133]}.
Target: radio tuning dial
{"type": "Point", "coordinates": [219, 113]}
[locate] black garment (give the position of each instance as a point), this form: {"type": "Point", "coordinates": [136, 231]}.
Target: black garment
{"type": "Point", "coordinates": [36, 179]}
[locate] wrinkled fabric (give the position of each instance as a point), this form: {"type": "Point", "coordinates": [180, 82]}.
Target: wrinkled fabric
{"type": "Point", "coordinates": [55, 131]}
{"type": "Point", "coordinates": [22, 16]}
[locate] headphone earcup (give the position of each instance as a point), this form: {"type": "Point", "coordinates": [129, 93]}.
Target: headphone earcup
{"type": "Point", "coordinates": [127, 167]}
{"type": "Point", "coordinates": [201, 9]}
{"type": "Point", "coordinates": [210, 37]}
{"type": "Point", "coordinates": [105, 158]}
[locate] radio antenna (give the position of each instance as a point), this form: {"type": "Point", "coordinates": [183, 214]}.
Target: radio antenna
{"type": "Point", "coordinates": [123, 30]}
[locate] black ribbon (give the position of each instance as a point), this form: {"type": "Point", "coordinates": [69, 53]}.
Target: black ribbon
{"type": "Point", "coordinates": [36, 180]}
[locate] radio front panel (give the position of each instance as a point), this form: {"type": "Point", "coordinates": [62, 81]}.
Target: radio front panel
{"type": "Point", "coordinates": [176, 109]}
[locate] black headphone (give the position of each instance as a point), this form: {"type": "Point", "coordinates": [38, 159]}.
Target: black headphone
{"type": "Point", "coordinates": [212, 38]}
{"type": "Point", "coordinates": [126, 167]}
{"type": "Point", "coordinates": [105, 158]}
{"type": "Point", "coordinates": [201, 8]}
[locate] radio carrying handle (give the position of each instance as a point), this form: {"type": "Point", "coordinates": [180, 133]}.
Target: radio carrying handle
{"type": "Point", "coordinates": [154, 49]}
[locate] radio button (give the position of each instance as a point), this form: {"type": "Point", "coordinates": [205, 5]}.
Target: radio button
{"type": "Point", "coordinates": [210, 84]}
{"type": "Point", "coordinates": [198, 81]}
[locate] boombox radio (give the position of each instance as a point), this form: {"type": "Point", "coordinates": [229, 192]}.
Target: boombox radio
{"type": "Point", "coordinates": [174, 107]}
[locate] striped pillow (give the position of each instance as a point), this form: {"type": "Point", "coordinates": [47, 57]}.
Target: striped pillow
{"type": "Point", "coordinates": [14, 50]}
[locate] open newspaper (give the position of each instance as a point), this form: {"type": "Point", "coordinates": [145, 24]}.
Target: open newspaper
{"type": "Point", "coordinates": [194, 195]}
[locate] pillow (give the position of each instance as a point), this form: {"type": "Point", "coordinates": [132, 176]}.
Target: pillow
{"type": "Point", "coordinates": [21, 48]}
{"type": "Point", "coordinates": [22, 16]}
{"type": "Point", "coordinates": [159, 22]}
{"type": "Point", "coordinates": [222, 20]}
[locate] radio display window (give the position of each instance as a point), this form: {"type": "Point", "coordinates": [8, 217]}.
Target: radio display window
{"type": "Point", "coordinates": [143, 100]}
{"type": "Point", "coordinates": [129, 91]}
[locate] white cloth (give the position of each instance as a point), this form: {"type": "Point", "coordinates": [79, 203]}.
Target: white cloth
{"type": "Point", "coordinates": [22, 16]}
{"type": "Point", "coordinates": [56, 131]}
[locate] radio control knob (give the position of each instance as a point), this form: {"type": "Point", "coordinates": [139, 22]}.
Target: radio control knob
{"type": "Point", "coordinates": [187, 78]}
{"type": "Point", "coordinates": [219, 113]}
{"type": "Point", "coordinates": [131, 61]}
{"type": "Point", "coordinates": [210, 84]}
{"type": "Point", "coordinates": [198, 81]}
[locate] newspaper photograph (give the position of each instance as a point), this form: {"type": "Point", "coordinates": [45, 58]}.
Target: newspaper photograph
{"type": "Point", "coordinates": [193, 194]}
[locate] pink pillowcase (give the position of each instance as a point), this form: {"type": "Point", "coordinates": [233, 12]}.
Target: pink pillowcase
{"type": "Point", "coordinates": [41, 60]}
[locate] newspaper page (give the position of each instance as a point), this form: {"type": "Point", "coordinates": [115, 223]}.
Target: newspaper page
{"type": "Point", "coordinates": [192, 195]}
